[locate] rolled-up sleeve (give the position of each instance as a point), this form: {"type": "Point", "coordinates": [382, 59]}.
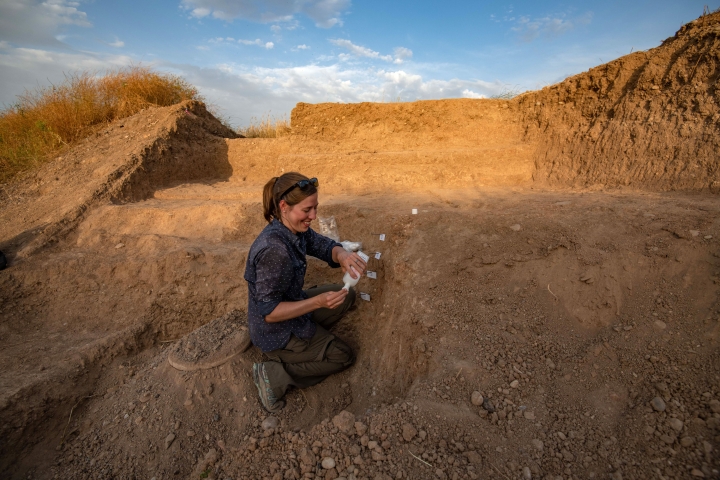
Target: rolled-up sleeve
{"type": "Point", "coordinates": [320, 246]}
{"type": "Point", "coordinates": [274, 275]}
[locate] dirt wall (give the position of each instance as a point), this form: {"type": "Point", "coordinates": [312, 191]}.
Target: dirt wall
{"type": "Point", "coordinates": [648, 120]}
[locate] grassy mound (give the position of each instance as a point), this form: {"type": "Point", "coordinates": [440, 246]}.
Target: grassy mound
{"type": "Point", "coordinates": [46, 120]}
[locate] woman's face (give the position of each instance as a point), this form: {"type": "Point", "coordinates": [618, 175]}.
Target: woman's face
{"type": "Point", "coordinates": [298, 217]}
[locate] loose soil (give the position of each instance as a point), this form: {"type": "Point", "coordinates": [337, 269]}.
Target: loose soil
{"type": "Point", "coordinates": [551, 311]}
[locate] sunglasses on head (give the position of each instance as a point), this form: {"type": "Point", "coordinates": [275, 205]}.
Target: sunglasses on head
{"type": "Point", "coordinates": [302, 184]}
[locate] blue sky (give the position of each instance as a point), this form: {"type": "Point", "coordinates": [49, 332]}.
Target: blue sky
{"type": "Point", "coordinates": [249, 58]}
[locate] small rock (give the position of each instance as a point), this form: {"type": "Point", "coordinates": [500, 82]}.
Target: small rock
{"type": "Point", "coordinates": [408, 432]}
{"type": "Point", "coordinates": [527, 474]}
{"type": "Point", "coordinates": [514, 384]}
{"type": "Point", "coordinates": [488, 405]}
{"type": "Point", "coordinates": [538, 444]}
{"type": "Point", "coordinates": [476, 398]}
{"type": "Point", "coordinates": [516, 227]}
{"type": "Point", "coordinates": [145, 397]}
{"type": "Point", "coordinates": [662, 387]}
{"type": "Point", "coordinates": [120, 245]}
{"type": "Point", "coordinates": [660, 325]}
{"type": "Point", "coordinates": [270, 422]}
{"type": "Point", "coordinates": [676, 424]}
{"type": "Point", "coordinates": [473, 457]}
{"type": "Point", "coordinates": [307, 457]}
{"type": "Point", "coordinates": [529, 415]}
{"type": "Point", "coordinates": [687, 441]}
{"type": "Point", "coordinates": [694, 233]}
{"type": "Point", "coordinates": [697, 473]}
{"type": "Point", "coordinates": [344, 421]}
{"type": "Point", "coordinates": [707, 237]}
{"type": "Point", "coordinates": [360, 428]}
{"type": "Point", "coordinates": [550, 364]}
{"type": "Point", "coordinates": [190, 433]}
{"type": "Point", "coordinates": [587, 278]}
{"type": "Point", "coordinates": [714, 406]}
{"type": "Point", "coordinates": [328, 463]}
{"type": "Point", "coordinates": [658, 404]}
{"type": "Point", "coordinates": [169, 440]}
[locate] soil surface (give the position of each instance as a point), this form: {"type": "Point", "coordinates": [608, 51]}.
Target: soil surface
{"type": "Point", "coordinates": [551, 311]}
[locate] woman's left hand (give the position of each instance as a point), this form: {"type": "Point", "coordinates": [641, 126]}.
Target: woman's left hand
{"type": "Point", "coordinates": [351, 259]}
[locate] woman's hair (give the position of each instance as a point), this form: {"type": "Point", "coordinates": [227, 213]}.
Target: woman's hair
{"type": "Point", "coordinates": [276, 186]}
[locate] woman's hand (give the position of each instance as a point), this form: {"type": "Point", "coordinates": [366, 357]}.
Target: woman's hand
{"type": "Point", "coordinates": [330, 299]}
{"type": "Point", "coordinates": [350, 259]}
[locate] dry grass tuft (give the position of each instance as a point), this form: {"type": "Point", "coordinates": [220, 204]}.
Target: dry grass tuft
{"type": "Point", "coordinates": [507, 94]}
{"type": "Point", "coordinates": [44, 121]}
{"type": "Point", "coordinates": [266, 127]}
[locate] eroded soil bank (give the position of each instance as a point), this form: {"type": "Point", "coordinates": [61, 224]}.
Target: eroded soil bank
{"type": "Point", "coordinates": [563, 264]}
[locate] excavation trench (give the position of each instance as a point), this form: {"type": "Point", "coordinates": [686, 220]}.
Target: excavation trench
{"type": "Point", "coordinates": [569, 310]}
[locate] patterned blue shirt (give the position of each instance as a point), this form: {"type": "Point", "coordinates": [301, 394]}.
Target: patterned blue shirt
{"type": "Point", "coordinates": [275, 273]}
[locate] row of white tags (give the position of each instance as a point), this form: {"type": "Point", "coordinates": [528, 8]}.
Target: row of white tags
{"type": "Point", "coordinates": [370, 273]}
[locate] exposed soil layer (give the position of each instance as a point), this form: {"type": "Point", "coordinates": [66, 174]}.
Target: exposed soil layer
{"type": "Point", "coordinates": [550, 311]}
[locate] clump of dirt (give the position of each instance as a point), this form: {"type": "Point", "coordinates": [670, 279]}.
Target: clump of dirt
{"type": "Point", "coordinates": [212, 344]}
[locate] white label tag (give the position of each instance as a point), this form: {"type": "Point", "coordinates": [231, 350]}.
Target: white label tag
{"type": "Point", "coordinates": [371, 274]}
{"type": "Point", "coordinates": [382, 237]}
{"type": "Point", "coordinates": [414, 211]}
{"type": "Point", "coordinates": [365, 296]}
{"type": "Point", "coordinates": [363, 256]}
{"type": "Point", "coordinates": [377, 255]}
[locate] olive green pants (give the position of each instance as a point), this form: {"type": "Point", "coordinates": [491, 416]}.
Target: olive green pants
{"type": "Point", "coordinates": [304, 363]}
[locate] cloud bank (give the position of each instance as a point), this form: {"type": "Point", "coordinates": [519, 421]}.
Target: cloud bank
{"type": "Point", "coordinates": [325, 13]}
{"type": "Point", "coordinates": [530, 29]}
{"type": "Point", "coordinates": [401, 53]}
{"type": "Point", "coordinates": [36, 22]}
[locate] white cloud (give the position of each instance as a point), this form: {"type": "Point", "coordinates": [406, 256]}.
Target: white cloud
{"type": "Point", "coordinates": [401, 53]}
{"type": "Point", "coordinates": [530, 29]}
{"type": "Point", "coordinates": [36, 22]}
{"type": "Point", "coordinates": [117, 43]}
{"type": "Point", "coordinates": [23, 68]}
{"type": "Point", "coordinates": [359, 51]}
{"type": "Point", "coordinates": [301, 47]}
{"type": "Point", "coordinates": [467, 93]}
{"type": "Point", "coordinates": [325, 13]}
{"type": "Point", "coordinates": [231, 40]}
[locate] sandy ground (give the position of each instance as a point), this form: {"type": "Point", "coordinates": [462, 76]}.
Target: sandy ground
{"type": "Point", "coordinates": [551, 311]}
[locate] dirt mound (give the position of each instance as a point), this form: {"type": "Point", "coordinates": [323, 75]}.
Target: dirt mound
{"type": "Point", "coordinates": [127, 161]}
{"type": "Point", "coordinates": [588, 321]}
{"type": "Point", "coordinates": [213, 344]}
{"type": "Point", "coordinates": [650, 119]}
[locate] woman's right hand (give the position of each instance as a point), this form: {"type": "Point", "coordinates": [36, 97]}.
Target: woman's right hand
{"type": "Point", "coordinates": [330, 299]}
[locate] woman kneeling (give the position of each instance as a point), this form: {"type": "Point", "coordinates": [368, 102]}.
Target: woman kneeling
{"type": "Point", "coordinates": [289, 324]}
